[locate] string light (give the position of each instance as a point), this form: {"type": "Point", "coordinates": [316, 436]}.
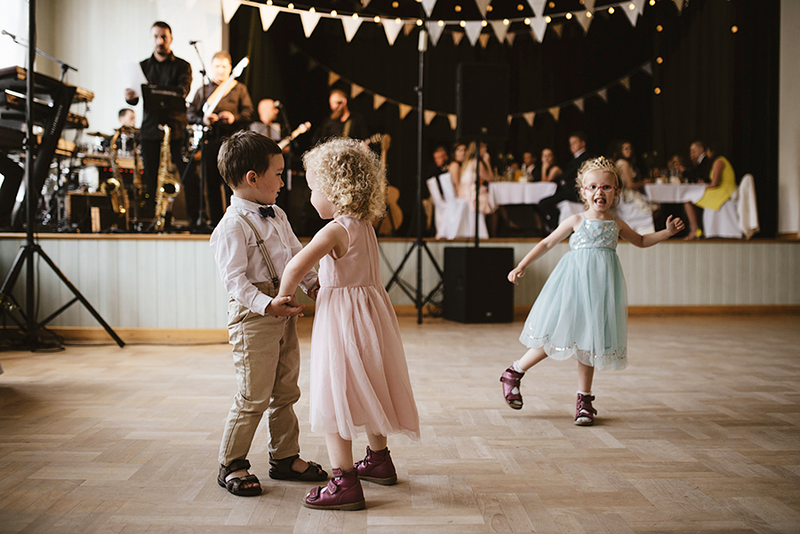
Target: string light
{"type": "Point", "coordinates": [484, 24]}
{"type": "Point", "coordinates": [652, 2]}
{"type": "Point", "coordinates": [419, 22]}
{"type": "Point", "coordinates": [659, 60]}
{"type": "Point", "coordinates": [734, 29]}
{"type": "Point", "coordinates": [377, 19]}
{"type": "Point", "coordinates": [568, 16]}
{"type": "Point", "coordinates": [631, 6]}
{"type": "Point", "coordinates": [457, 8]}
{"type": "Point", "coordinates": [290, 6]}
{"type": "Point", "coordinates": [588, 14]}
{"type": "Point", "coordinates": [506, 22]}
{"type": "Point", "coordinates": [657, 90]}
{"type": "Point", "coordinates": [463, 24]}
{"type": "Point", "coordinates": [395, 4]}
{"type": "Point", "coordinates": [312, 10]}
{"type": "Point", "coordinates": [659, 28]}
{"type": "Point", "coordinates": [355, 16]}
{"type": "Point", "coordinates": [611, 10]}
{"type": "Point", "coordinates": [440, 23]}
{"type": "Point", "coordinates": [334, 13]}
{"type": "Point", "coordinates": [489, 8]}
{"type": "Point", "coordinates": [547, 19]}
{"type": "Point", "coordinates": [520, 7]}
{"type": "Point", "coordinates": [527, 22]}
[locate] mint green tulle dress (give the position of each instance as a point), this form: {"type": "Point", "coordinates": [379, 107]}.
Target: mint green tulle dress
{"type": "Point", "coordinates": [582, 310]}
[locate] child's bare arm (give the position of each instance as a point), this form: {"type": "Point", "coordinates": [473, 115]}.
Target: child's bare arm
{"type": "Point", "coordinates": [563, 230]}
{"type": "Point", "coordinates": [674, 225]}
{"type": "Point", "coordinates": [332, 237]}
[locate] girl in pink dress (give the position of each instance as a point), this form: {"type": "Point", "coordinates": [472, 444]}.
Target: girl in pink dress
{"type": "Point", "coordinates": [359, 376]}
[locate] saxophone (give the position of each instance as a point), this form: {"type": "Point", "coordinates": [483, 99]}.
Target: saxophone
{"type": "Point", "coordinates": [167, 187]}
{"type": "Point", "coordinates": [113, 185]}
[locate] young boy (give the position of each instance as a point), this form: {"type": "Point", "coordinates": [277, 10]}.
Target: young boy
{"type": "Point", "coordinates": [252, 245]}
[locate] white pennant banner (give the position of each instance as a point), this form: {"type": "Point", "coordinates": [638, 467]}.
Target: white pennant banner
{"type": "Point", "coordinates": [639, 6]}
{"type": "Point", "coordinates": [579, 104]}
{"type": "Point", "coordinates": [428, 6]}
{"type": "Point", "coordinates": [435, 31]}
{"type": "Point", "coordinates": [378, 101]}
{"type": "Point", "coordinates": [626, 83]}
{"type": "Point", "coordinates": [482, 4]}
{"type": "Point", "coordinates": [584, 19]}
{"type": "Point", "coordinates": [473, 30]}
{"type": "Point", "coordinates": [429, 116]}
{"type": "Point", "coordinates": [632, 14]}
{"type": "Point", "coordinates": [529, 116]}
{"type": "Point", "coordinates": [679, 5]}
{"type": "Point", "coordinates": [309, 21]}
{"type": "Point", "coordinates": [603, 93]}
{"type": "Point", "coordinates": [500, 29]}
{"type": "Point", "coordinates": [538, 27]}
{"type": "Point", "coordinates": [351, 25]}
{"type": "Point", "coordinates": [589, 5]}
{"type": "Point", "coordinates": [268, 14]}
{"type": "Point", "coordinates": [229, 8]}
{"type": "Point", "coordinates": [648, 68]}
{"type": "Point", "coordinates": [538, 7]}
{"type": "Point", "coordinates": [392, 29]}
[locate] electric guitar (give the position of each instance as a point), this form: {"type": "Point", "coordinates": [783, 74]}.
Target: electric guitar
{"type": "Point", "coordinates": [219, 93]}
{"type": "Point", "coordinates": [303, 128]}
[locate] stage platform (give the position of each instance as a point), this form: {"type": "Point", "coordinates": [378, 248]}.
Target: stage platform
{"type": "Point", "coordinates": [170, 282]}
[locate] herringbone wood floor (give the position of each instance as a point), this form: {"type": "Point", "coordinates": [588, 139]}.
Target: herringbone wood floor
{"type": "Point", "coordinates": [700, 434]}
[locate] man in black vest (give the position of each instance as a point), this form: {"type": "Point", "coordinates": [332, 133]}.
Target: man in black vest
{"type": "Point", "coordinates": [565, 190]}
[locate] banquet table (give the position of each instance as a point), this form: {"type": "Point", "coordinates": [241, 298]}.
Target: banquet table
{"type": "Point", "coordinates": [501, 193]}
{"type": "Point", "coordinates": [674, 193]}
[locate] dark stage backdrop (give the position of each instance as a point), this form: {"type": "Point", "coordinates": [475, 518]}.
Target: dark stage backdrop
{"type": "Point", "coordinates": [716, 85]}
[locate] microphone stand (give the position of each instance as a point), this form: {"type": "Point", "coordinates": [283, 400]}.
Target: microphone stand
{"type": "Point", "coordinates": [199, 222]}
{"type": "Point", "coordinates": [287, 129]}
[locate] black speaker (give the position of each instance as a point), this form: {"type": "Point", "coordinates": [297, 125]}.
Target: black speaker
{"type": "Point", "coordinates": [476, 289]}
{"type": "Point", "coordinates": [482, 101]}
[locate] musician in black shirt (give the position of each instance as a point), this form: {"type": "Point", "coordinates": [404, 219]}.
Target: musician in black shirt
{"type": "Point", "coordinates": [162, 68]}
{"type": "Point", "coordinates": [232, 112]}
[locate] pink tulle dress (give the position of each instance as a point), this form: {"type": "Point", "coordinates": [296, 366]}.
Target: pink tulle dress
{"type": "Point", "coordinates": [359, 375]}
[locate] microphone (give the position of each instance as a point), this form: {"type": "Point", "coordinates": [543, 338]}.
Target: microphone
{"type": "Point", "coordinates": [192, 43]}
{"type": "Point", "coordinates": [9, 34]}
{"type": "Point", "coordinates": [278, 104]}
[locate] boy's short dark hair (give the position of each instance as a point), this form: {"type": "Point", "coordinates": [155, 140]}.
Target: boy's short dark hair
{"type": "Point", "coordinates": [244, 151]}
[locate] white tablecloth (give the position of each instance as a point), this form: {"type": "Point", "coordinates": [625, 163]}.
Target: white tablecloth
{"type": "Point", "coordinates": [674, 193]}
{"type": "Point", "coordinates": [520, 192]}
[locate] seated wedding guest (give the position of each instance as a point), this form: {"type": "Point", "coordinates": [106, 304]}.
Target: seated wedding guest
{"type": "Point", "coordinates": [440, 162]}
{"type": "Point", "coordinates": [677, 166]}
{"type": "Point", "coordinates": [466, 184]}
{"type": "Point", "coordinates": [633, 207]}
{"type": "Point", "coordinates": [547, 170]}
{"type": "Point", "coordinates": [566, 181]}
{"type": "Point", "coordinates": [454, 167]}
{"type": "Point", "coordinates": [268, 124]}
{"type": "Point", "coordinates": [528, 165]}
{"type": "Point", "coordinates": [701, 163]}
{"type": "Point", "coordinates": [722, 184]}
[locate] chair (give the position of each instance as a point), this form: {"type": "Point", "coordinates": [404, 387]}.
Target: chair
{"type": "Point", "coordinates": [459, 217]}
{"type": "Point", "coordinates": [638, 217]}
{"type": "Point", "coordinates": [738, 216]}
{"type": "Point", "coordinates": [439, 207]}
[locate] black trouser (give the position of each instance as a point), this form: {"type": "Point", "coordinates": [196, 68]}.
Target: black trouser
{"type": "Point", "coordinates": [215, 185]}
{"type": "Point", "coordinates": [548, 207]}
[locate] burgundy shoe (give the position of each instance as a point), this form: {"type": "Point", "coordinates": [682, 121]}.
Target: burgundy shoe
{"type": "Point", "coordinates": [377, 467]}
{"type": "Point", "coordinates": [343, 492]}
{"type": "Point", "coordinates": [584, 413]}
{"type": "Point", "coordinates": [511, 380]}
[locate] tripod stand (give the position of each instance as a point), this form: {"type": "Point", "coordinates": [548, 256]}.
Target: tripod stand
{"type": "Point", "coordinates": [27, 252]}
{"type": "Point", "coordinates": [419, 244]}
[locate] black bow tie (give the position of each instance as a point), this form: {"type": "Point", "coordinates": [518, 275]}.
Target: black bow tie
{"type": "Point", "coordinates": [266, 211]}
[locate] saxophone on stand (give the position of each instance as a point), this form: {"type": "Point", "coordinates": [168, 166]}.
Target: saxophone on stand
{"type": "Point", "coordinates": [113, 186]}
{"type": "Point", "coordinates": [168, 186]}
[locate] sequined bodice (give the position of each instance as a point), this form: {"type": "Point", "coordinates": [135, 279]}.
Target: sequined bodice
{"type": "Point", "coordinates": [594, 233]}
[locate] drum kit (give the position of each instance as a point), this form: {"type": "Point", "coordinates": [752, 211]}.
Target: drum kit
{"type": "Point", "coordinates": [78, 193]}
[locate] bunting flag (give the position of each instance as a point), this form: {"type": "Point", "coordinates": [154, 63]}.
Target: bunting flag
{"type": "Point", "coordinates": [429, 116]}
{"type": "Point", "coordinates": [538, 27]}
{"type": "Point", "coordinates": [229, 8]}
{"type": "Point", "coordinates": [378, 101]}
{"type": "Point", "coordinates": [648, 68]}
{"type": "Point", "coordinates": [404, 110]}
{"type": "Point", "coordinates": [365, 3]}
{"type": "Point", "coordinates": [482, 4]}
{"type": "Point", "coordinates": [309, 20]}
{"type": "Point", "coordinates": [355, 90]}
{"type": "Point", "coordinates": [333, 78]}
{"type": "Point", "coordinates": [510, 38]}
{"type": "Point", "coordinates": [626, 83]}
{"type": "Point", "coordinates": [350, 25]}
{"type": "Point", "coordinates": [428, 6]}
{"type": "Point", "coordinates": [589, 5]}
{"type": "Point", "coordinates": [558, 28]}
{"type": "Point", "coordinates": [473, 30]}
{"type": "Point", "coordinates": [679, 5]}
{"type": "Point", "coordinates": [500, 29]}
{"type": "Point", "coordinates": [312, 64]}
{"type": "Point", "coordinates": [529, 116]}
{"type": "Point", "coordinates": [509, 119]}
{"type": "Point", "coordinates": [392, 29]}
{"type": "Point", "coordinates": [538, 7]}
{"type": "Point", "coordinates": [632, 14]}
{"type": "Point", "coordinates": [268, 14]}
{"type": "Point", "coordinates": [603, 94]}
{"type": "Point", "coordinates": [453, 118]}
{"type": "Point", "coordinates": [408, 28]}
{"type": "Point", "coordinates": [554, 111]}
{"type": "Point", "coordinates": [457, 36]}
{"type": "Point", "coordinates": [639, 6]}
{"type": "Point", "coordinates": [435, 31]}
{"type": "Point", "coordinates": [579, 104]}
{"type": "Point", "coordinates": [484, 39]}
{"type": "Point", "coordinates": [584, 19]}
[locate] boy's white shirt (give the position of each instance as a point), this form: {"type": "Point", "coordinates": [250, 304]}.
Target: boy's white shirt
{"type": "Point", "coordinates": [239, 260]}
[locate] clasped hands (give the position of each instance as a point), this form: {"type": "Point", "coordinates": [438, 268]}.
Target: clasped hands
{"type": "Point", "coordinates": [287, 305]}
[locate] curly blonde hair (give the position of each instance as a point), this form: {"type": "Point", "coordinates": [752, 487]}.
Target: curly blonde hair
{"type": "Point", "coordinates": [598, 164]}
{"type": "Point", "coordinates": [350, 175]}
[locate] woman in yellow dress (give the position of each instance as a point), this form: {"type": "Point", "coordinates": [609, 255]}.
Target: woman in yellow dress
{"type": "Point", "coordinates": [722, 186]}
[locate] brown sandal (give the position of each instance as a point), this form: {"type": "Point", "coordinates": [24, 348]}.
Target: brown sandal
{"type": "Point", "coordinates": [234, 485]}
{"type": "Point", "coordinates": [511, 379]}
{"type": "Point", "coordinates": [282, 470]}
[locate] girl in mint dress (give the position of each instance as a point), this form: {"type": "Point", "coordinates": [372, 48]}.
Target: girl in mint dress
{"type": "Point", "coordinates": [582, 310]}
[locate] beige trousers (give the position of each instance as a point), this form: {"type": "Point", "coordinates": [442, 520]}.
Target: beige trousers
{"type": "Point", "coordinates": [266, 360]}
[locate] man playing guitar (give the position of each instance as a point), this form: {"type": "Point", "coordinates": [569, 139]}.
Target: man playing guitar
{"type": "Point", "coordinates": [225, 107]}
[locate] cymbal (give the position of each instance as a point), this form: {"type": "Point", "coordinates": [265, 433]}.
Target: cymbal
{"type": "Point", "coordinates": [97, 134]}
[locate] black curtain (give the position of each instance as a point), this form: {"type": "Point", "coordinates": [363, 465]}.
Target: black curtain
{"type": "Point", "coordinates": [715, 85]}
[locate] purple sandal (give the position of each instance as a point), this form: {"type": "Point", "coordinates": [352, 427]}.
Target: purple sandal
{"type": "Point", "coordinates": [584, 413]}
{"type": "Point", "coordinates": [511, 392]}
